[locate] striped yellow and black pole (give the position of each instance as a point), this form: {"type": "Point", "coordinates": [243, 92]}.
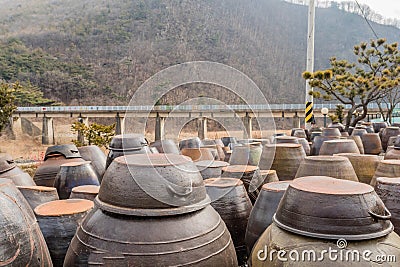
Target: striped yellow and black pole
{"type": "Point", "coordinates": [309, 112]}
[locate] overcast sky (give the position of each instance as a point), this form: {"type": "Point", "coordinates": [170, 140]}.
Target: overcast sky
{"type": "Point", "coordinates": [387, 8]}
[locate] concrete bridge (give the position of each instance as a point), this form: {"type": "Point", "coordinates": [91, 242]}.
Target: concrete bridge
{"type": "Point", "coordinates": [202, 112]}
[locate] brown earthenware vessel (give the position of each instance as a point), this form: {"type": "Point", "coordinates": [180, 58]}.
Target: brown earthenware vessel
{"type": "Point", "coordinates": [332, 166]}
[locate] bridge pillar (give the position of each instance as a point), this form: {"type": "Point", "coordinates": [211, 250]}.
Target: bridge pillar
{"type": "Point", "coordinates": [296, 120]}
{"type": "Point", "coordinates": [202, 127]}
{"type": "Point", "coordinates": [81, 137]}
{"type": "Point", "coordinates": [48, 131]}
{"type": "Point", "coordinates": [248, 127]}
{"type": "Point", "coordinates": [120, 124]}
{"type": "Point", "coordinates": [16, 127]}
{"type": "Point", "coordinates": [159, 130]}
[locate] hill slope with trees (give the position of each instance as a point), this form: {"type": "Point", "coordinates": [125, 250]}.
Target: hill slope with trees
{"type": "Point", "coordinates": [99, 52]}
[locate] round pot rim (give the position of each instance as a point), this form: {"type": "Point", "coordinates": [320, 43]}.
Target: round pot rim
{"type": "Point", "coordinates": [381, 233]}
{"type": "Point", "coordinates": [152, 212]}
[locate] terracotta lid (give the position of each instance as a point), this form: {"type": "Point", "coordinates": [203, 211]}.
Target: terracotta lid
{"type": "Point", "coordinates": [355, 155]}
{"type": "Point", "coordinates": [330, 186]}
{"type": "Point", "coordinates": [63, 207]}
{"type": "Point", "coordinates": [267, 172]}
{"type": "Point", "coordinates": [38, 188]}
{"type": "Point", "coordinates": [126, 142]}
{"type": "Point", "coordinates": [276, 186]}
{"type": "Point", "coordinates": [388, 180]}
{"type": "Point", "coordinates": [223, 182]}
{"type": "Point", "coordinates": [211, 163]}
{"type": "Point", "coordinates": [153, 160]}
{"type": "Point", "coordinates": [339, 141]}
{"type": "Point", "coordinates": [240, 168]}
{"type": "Point", "coordinates": [326, 158]}
{"type": "Point", "coordinates": [75, 163]}
{"type": "Point", "coordinates": [391, 162]}
{"type": "Point", "coordinates": [286, 137]}
{"type": "Point", "coordinates": [288, 145]}
{"type": "Point", "coordinates": [87, 189]}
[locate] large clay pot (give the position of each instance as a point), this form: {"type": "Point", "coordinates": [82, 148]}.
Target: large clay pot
{"type": "Point", "coordinates": [157, 181]}
{"type": "Point", "coordinates": [371, 143]}
{"type": "Point", "coordinates": [387, 133]}
{"type": "Point", "coordinates": [306, 145]}
{"type": "Point", "coordinates": [368, 127]}
{"type": "Point", "coordinates": [230, 200]}
{"type": "Point", "coordinates": [286, 140]}
{"type": "Point", "coordinates": [263, 211]}
{"type": "Point", "coordinates": [318, 141]}
{"type": "Point", "coordinates": [250, 176]}
{"type": "Point", "coordinates": [392, 140]}
{"type": "Point", "coordinates": [46, 173]}
{"type": "Point", "coordinates": [389, 148]}
{"type": "Point", "coordinates": [294, 140]}
{"type": "Point", "coordinates": [314, 134]}
{"type": "Point", "coordinates": [388, 189]}
{"type": "Point", "coordinates": [211, 168]}
{"type": "Point", "coordinates": [338, 146]}
{"type": "Point", "coordinates": [22, 243]}
{"type": "Point", "coordinates": [219, 142]}
{"type": "Point", "coordinates": [337, 125]}
{"type": "Point", "coordinates": [359, 132]}
{"type": "Point", "coordinates": [337, 167]}
{"type": "Point", "coordinates": [300, 133]}
{"type": "Point", "coordinates": [198, 238]}
{"type": "Point", "coordinates": [160, 215]}
{"type": "Point", "coordinates": [74, 174]}
{"type": "Point", "coordinates": [339, 209]}
{"type": "Point", "coordinates": [58, 221]}
{"type": "Point", "coordinates": [275, 237]}
{"type": "Point", "coordinates": [357, 139]}
{"type": "Point", "coordinates": [218, 150]}
{"type": "Point", "coordinates": [37, 195]}
{"type": "Point", "coordinates": [377, 126]}
{"type": "Point", "coordinates": [166, 146]}
{"type": "Point", "coordinates": [96, 157]}
{"type": "Point", "coordinates": [364, 165]}
{"type": "Point", "coordinates": [88, 192]}
{"type": "Point", "coordinates": [284, 158]}
{"type": "Point", "coordinates": [127, 144]}
{"type": "Point", "coordinates": [269, 176]}
{"type": "Point", "coordinates": [331, 132]}
{"type": "Point", "coordinates": [198, 154]}
{"type": "Point", "coordinates": [193, 142]}
{"type": "Point", "coordinates": [247, 154]}
{"type": "Point", "coordinates": [214, 152]}
{"type": "Point", "coordinates": [227, 141]}
{"type": "Point", "coordinates": [387, 168]}
{"type": "Point", "coordinates": [344, 134]}
{"type": "Point", "coordinates": [392, 153]}
{"type": "Point", "coordinates": [9, 170]}
{"type": "Point", "coordinates": [208, 142]}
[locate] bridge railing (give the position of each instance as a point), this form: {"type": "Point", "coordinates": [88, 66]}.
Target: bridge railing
{"type": "Point", "coordinates": [257, 107]}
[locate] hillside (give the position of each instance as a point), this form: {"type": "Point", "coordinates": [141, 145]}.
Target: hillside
{"type": "Point", "coordinates": [99, 52]}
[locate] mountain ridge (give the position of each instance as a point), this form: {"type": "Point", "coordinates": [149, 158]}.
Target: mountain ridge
{"type": "Point", "coordinates": [121, 44]}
